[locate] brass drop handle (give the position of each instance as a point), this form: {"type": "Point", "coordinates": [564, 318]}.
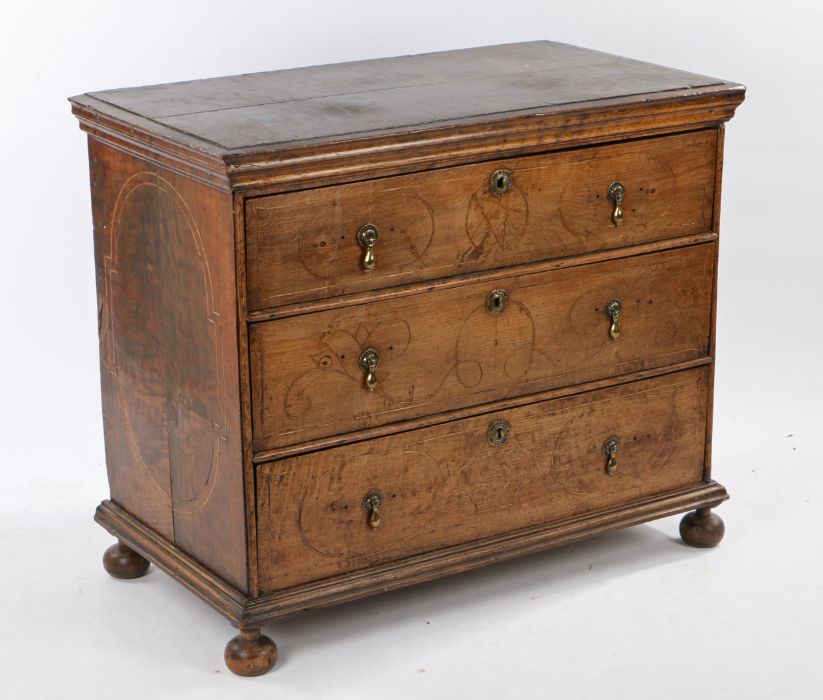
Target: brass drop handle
{"type": "Point", "coordinates": [369, 360]}
{"type": "Point", "coordinates": [367, 238]}
{"type": "Point", "coordinates": [616, 193]}
{"type": "Point", "coordinates": [610, 448]}
{"type": "Point", "coordinates": [372, 503]}
{"type": "Point", "coordinates": [613, 309]}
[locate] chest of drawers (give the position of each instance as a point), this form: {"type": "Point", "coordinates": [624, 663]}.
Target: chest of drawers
{"type": "Point", "coordinates": [370, 324]}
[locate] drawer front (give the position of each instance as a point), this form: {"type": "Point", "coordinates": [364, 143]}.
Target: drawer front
{"type": "Point", "coordinates": [448, 484]}
{"type": "Point", "coordinates": [445, 349]}
{"type": "Point", "coordinates": [303, 245]}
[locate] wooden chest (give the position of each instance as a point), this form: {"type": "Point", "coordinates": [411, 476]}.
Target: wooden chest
{"type": "Point", "coordinates": [370, 324]}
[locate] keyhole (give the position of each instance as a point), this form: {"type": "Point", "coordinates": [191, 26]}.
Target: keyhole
{"type": "Point", "coordinates": [500, 182]}
{"type": "Point", "coordinates": [496, 301]}
{"type": "Point", "coordinates": [497, 432]}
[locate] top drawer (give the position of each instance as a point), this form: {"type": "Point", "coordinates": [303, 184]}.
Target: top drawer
{"type": "Point", "coordinates": [304, 245]}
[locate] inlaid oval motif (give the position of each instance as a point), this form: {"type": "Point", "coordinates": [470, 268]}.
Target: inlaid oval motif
{"type": "Point", "coordinates": [577, 462]}
{"type": "Point", "coordinates": [495, 224]}
{"type": "Point", "coordinates": [485, 347]}
{"type": "Point", "coordinates": [586, 210]}
{"type": "Point", "coordinates": [331, 522]}
{"type": "Point", "coordinates": [328, 245]}
{"type": "Point", "coordinates": [327, 367]}
{"type": "Point", "coordinates": [164, 346]}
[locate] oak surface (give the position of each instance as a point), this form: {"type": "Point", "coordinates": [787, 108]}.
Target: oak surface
{"type": "Point", "coordinates": [448, 484]}
{"type": "Point", "coordinates": [245, 609]}
{"type": "Point", "coordinates": [288, 130]}
{"type": "Point", "coordinates": [303, 245]}
{"type": "Point", "coordinates": [168, 355]}
{"type": "Point", "coordinates": [120, 561]}
{"type": "Point", "coordinates": [324, 102]}
{"type": "Point", "coordinates": [444, 350]}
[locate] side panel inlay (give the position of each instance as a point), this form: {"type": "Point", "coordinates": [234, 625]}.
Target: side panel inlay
{"type": "Point", "coordinates": [164, 248]}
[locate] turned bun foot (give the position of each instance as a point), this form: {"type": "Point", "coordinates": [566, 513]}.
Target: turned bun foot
{"type": "Point", "coordinates": [123, 562]}
{"type": "Point", "coordinates": [702, 528]}
{"type": "Point", "coordinates": [250, 653]}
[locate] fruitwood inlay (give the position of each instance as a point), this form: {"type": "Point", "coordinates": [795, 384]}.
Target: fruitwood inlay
{"type": "Point", "coordinates": [168, 352]}
{"type": "Point", "coordinates": [447, 484]}
{"type": "Point", "coordinates": [178, 423]}
{"type": "Point", "coordinates": [443, 350]}
{"type": "Point", "coordinates": [303, 246]}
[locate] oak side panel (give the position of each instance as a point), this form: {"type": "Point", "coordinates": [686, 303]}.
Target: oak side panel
{"type": "Point", "coordinates": [245, 392]}
{"type": "Point", "coordinates": [431, 224]}
{"type": "Point", "coordinates": [718, 181]}
{"type": "Point", "coordinates": [443, 350]}
{"type": "Point", "coordinates": [447, 484]}
{"type": "Point", "coordinates": [168, 348]}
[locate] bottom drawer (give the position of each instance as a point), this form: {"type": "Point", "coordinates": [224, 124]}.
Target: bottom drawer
{"type": "Point", "coordinates": [449, 484]}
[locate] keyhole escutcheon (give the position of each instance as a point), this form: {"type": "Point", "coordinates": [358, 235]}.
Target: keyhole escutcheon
{"type": "Point", "coordinates": [498, 432]}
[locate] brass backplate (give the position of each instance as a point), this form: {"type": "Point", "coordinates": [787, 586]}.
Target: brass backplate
{"type": "Point", "coordinates": [500, 182]}
{"type": "Point", "coordinates": [367, 235]}
{"type": "Point", "coordinates": [497, 301]}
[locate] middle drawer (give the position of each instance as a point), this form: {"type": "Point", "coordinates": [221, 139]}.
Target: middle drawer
{"type": "Point", "coordinates": [476, 343]}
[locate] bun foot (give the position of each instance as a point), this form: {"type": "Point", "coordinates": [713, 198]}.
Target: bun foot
{"type": "Point", "coordinates": [123, 562]}
{"type": "Point", "coordinates": [702, 528]}
{"type": "Point", "coordinates": [250, 653]}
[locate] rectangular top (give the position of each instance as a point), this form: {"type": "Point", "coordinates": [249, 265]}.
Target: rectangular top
{"type": "Point", "coordinates": [263, 117]}
{"type": "Point", "coordinates": [327, 102]}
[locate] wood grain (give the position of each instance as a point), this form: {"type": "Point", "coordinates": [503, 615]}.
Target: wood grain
{"type": "Point", "coordinates": [212, 588]}
{"type": "Point", "coordinates": [721, 135]}
{"type": "Point", "coordinates": [448, 484]}
{"type": "Point", "coordinates": [245, 393]}
{"type": "Point", "coordinates": [325, 443]}
{"type": "Point", "coordinates": [168, 351]}
{"type": "Point", "coordinates": [245, 610]}
{"type": "Point", "coordinates": [303, 245]}
{"type": "Point", "coordinates": [500, 273]}
{"type": "Point", "coordinates": [326, 102]}
{"type": "Point", "coordinates": [443, 350]}
{"type": "Point", "coordinates": [313, 126]}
